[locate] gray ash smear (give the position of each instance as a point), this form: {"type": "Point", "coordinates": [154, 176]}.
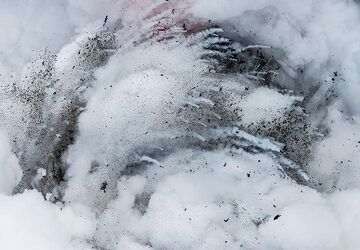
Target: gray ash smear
{"type": "Point", "coordinates": [54, 107]}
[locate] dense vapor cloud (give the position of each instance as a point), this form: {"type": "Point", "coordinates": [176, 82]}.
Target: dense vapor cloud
{"type": "Point", "coordinates": [28, 27]}
{"type": "Point", "coordinates": [190, 124]}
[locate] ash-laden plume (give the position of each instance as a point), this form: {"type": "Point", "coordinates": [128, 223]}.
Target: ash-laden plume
{"type": "Point", "coordinates": [53, 93]}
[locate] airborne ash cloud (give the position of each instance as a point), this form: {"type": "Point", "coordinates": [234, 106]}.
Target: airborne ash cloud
{"type": "Point", "coordinates": [189, 124]}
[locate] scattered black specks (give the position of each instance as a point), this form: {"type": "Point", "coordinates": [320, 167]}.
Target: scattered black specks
{"type": "Point", "coordinates": [103, 186]}
{"type": "Point", "coordinates": [277, 216]}
{"type": "Point", "coordinates": [105, 20]}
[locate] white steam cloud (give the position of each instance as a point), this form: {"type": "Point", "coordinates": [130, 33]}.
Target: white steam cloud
{"type": "Point", "coordinates": [191, 124]}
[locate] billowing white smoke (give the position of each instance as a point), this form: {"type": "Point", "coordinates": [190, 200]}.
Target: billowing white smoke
{"type": "Point", "coordinates": [10, 170]}
{"type": "Point", "coordinates": [156, 161]}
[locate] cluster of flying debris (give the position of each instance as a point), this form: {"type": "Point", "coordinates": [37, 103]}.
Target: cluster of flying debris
{"type": "Point", "coordinates": [183, 124]}
{"type": "Point", "coordinates": [53, 93]}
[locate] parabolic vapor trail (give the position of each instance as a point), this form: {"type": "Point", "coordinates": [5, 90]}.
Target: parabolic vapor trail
{"type": "Point", "coordinates": [190, 124]}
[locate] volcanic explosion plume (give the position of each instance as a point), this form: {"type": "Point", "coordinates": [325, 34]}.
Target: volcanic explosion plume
{"type": "Point", "coordinates": [194, 124]}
